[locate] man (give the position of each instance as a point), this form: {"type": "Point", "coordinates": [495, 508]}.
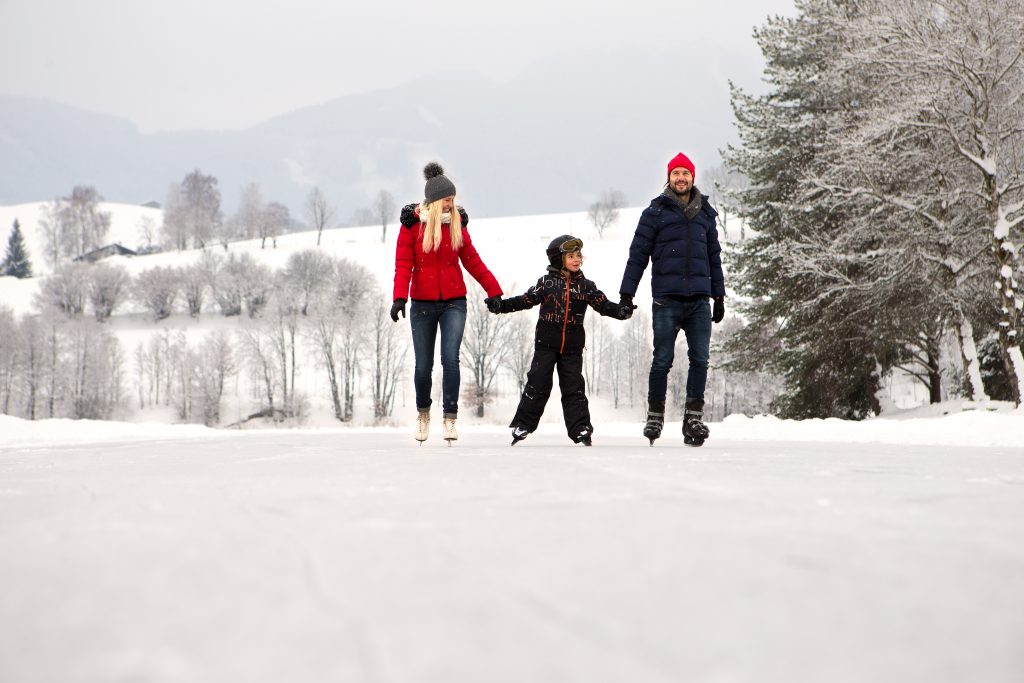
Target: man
{"type": "Point", "coordinates": [677, 234]}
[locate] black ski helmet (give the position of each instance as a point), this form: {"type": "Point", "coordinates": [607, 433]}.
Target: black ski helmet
{"type": "Point", "coordinates": [563, 244]}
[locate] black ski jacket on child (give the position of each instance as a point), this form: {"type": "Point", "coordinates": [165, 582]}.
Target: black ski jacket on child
{"type": "Point", "coordinates": [563, 303]}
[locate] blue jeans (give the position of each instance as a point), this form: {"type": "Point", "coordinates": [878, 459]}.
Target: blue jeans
{"type": "Point", "coordinates": [426, 317]}
{"type": "Point", "coordinates": [694, 319]}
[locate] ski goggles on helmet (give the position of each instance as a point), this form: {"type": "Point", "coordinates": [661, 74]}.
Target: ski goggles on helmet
{"type": "Point", "coordinates": [569, 246]}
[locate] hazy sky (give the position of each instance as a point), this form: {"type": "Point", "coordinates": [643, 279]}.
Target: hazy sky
{"type": "Point", "coordinates": [228, 64]}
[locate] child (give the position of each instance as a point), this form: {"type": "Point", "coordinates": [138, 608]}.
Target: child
{"type": "Point", "coordinates": [563, 294]}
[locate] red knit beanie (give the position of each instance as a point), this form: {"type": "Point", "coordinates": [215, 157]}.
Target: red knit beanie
{"type": "Point", "coordinates": [681, 160]}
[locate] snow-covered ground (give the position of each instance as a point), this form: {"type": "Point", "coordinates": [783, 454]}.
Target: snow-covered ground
{"type": "Point", "coordinates": [778, 552]}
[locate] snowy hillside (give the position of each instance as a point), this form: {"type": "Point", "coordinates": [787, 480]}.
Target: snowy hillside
{"type": "Point", "coordinates": [513, 248]}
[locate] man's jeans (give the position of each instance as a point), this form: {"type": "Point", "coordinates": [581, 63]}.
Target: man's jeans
{"type": "Point", "coordinates": [426, 317]}
{"type": "Point", "coordinates": [694, 319]}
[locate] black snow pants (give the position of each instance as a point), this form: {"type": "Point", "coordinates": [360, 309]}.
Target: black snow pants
{"type": "Point", "coordinates": [575, 409]}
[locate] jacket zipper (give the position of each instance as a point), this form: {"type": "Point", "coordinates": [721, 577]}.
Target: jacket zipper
{"type": "Point", "coordinates": [565, 318]}
{"type": "Point", "coordinates": [689, 251]}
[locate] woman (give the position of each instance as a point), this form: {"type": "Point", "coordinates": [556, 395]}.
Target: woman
{"type": "Point", "coordinates": [431, 243]}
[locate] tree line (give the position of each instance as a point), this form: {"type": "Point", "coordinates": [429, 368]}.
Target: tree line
{"type": "Point", "coordinates": [318, 315]}
{"type": "Point", "coordinates": [886, 191]}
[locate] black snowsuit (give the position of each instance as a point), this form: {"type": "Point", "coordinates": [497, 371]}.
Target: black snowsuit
{"type": "Point", "coordinates": [558, 343]}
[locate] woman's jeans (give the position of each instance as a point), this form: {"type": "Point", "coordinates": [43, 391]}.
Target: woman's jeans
{"type": "Point", "coordinates": [426, 317]}
{"type": "Point", "coordinates": [694, 319]}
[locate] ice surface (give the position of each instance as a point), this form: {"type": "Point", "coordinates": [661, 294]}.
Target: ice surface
{"type": "Point", "coordinates": [359, 556]}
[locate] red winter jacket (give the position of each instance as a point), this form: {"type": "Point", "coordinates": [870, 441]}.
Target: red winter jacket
{"type": "Point", "coordinates": [437, 275]}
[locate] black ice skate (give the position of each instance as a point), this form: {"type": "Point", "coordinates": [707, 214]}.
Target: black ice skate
{"type": "Point", "coordinates": [584, 438]}
{"type": "Point", "coordinates": [694, 430]}
{"type": "Point", "coordinates": [518, 434]}
{"type": "Point", "coordinates": [655, 420]}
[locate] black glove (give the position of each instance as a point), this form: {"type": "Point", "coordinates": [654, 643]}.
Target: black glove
{"type": "Point", "coordinates": [626, 307]}
{"type": "Point", "coordinates": [396, 308]}
{"type": "Point", "coordinates": [493, 304]}
{"type": "Point", "coordinates": [408, 217]}
{"type": "Point", "coordinates": [719, 310]}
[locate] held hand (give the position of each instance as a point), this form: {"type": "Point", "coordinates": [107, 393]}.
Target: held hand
{"type": "Point", "coordinates": [493, 304]}
{"type": "Point", "coordinates": [396, 308]}
{"type": "Point", "coordinates": [718, 312]}
{"type": "Point", "coordinates": [626, 307]}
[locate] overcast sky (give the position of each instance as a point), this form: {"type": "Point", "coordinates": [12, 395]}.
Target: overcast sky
{"type": "Point", "coordinates": [230, 64]}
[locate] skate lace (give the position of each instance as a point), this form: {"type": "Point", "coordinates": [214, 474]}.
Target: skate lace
{"type": "Point", "coordinates": [423, 421]}
{"type": "Point", "coordinates": [449, 427]}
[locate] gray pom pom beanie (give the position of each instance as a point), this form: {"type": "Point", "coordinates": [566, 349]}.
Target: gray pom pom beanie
{"type": "Point", "coordinates": [438, 186]}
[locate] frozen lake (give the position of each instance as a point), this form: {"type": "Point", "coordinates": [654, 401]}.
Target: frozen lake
{"type": "Point", "coordinates": [308, 556]}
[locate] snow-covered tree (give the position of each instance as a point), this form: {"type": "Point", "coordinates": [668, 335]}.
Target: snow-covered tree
{"type": "Point", "coordinates": [319, 212]}
{"type": "Point", "coordinates": [384, 209]}
{"type": "Point", "coordinates": [66, 290]}
{"type": "Point", "coordinates": [953, 74]}
{"type": "Point", "coordinates": [156, 289]}
{"type": "Point", "coordinates": [519, 348]}
{"type": "Point", "coordinates": [605, 211]}
{"type": "Point", "coordinates": [194, 281]}
{"type": "Point", "coordinates": [16, 262]}
{"type": "Point", "coordinates": [276, 221]}
{"type": "Point", "coordinates": [388, 357]}
{"type": "Point", "coordinates": [192, 212]}
{"type": "Point", "coordinates": [829, 338]}
{"type": "Point", "coordinates": [241, 280]}
{"type": "Point", "coordinates": [107, 287]}
{"type": "Point", "coordinates": [11, 350]}
{"type": "Point", "coordinates": [483, 347]}
{"type": "Point", "coordinates": [74, 225]}
{"type": "Point", "coordinates": [308, 272]}
{"type": "Point", "coordinates": [83, 226]}
{"type": "Point", "coordinates": [94, 371]}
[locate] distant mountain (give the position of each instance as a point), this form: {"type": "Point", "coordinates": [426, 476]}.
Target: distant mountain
{"type": "Point", "coordinates": [546, 142]}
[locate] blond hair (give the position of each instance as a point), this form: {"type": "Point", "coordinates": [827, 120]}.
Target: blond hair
{"type": "Point", "coordinates": [431, 227]}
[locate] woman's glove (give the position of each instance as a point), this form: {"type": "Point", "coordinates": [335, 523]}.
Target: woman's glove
{"type": "Point", "coordinates": [396, 308]}
{"type": "Point", "coordinates": [493, 304]}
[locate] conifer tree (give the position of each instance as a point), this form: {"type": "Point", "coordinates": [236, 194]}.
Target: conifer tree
{"type": "Point", "coordinates": [16, 262]}
{"type": "Point", "coordinates": [807, 323]}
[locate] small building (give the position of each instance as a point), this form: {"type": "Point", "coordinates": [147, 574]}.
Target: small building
{"type": "Point", "coordinates": [103, 252]}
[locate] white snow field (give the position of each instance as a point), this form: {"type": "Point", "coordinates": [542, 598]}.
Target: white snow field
{"type": "Point", "coordinates": [157, 553]}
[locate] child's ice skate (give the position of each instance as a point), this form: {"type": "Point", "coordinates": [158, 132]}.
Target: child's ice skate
{"type": "Point", "coordinates": [518, 434]}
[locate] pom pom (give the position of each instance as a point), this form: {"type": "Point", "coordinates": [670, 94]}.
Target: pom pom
{"type": "Point", "coordinates": [432, 170]}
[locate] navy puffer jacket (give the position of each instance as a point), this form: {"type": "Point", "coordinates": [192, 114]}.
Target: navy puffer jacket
{"type": "Point", "coordinates": [685, 254]}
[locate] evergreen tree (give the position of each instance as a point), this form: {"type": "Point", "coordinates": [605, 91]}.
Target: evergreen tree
{"type": "Point", "coordinates": [802, 268]}
{"type": "Point", "coordinates": [16, 262]}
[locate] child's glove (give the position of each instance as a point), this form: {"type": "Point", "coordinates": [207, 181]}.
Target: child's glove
{"type": "Point", "coordinates": [719, 310]}
{"type": "Point", "coordinates": [493, 304]}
